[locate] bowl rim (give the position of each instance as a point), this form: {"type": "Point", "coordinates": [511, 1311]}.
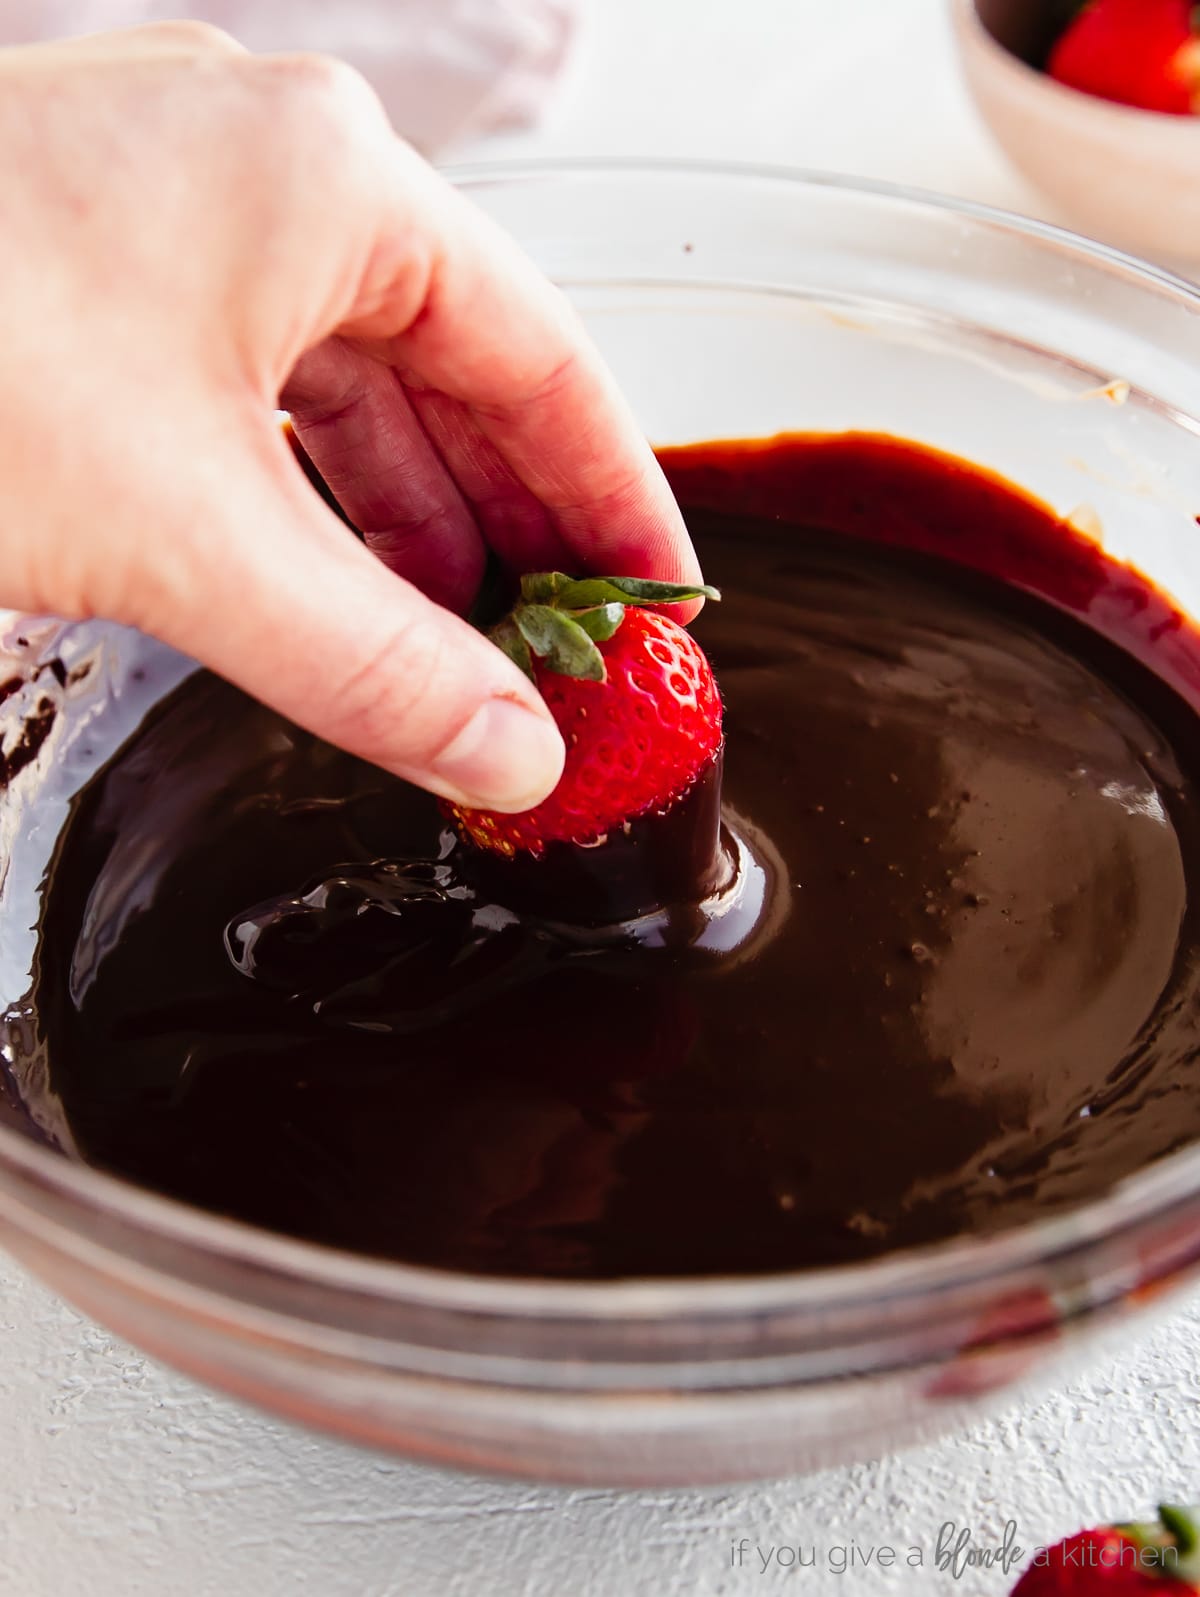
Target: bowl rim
{"type": "Point", "coordinates": [1167, 1190]}
{"type": "Point", "coordinates": [971, 26]}
{"type": "Point", "coordinates": [472, 174]}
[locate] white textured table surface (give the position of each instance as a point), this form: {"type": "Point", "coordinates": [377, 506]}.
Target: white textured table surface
{"type": "Point", "coordinates": [123, 1480]}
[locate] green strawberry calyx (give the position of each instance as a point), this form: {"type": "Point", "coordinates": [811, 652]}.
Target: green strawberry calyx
{"type": "Point", "coordinates": [561, 619]}
{"type": "Point", "coordinates": [1168, 1546]}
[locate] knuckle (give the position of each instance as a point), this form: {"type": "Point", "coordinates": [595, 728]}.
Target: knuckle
{"type": "Point", "coordinates": [321, 94]}
{"type": "Point", "coordinates": [395, 692]}
{"type": "Point", "coordinates": [541, 389]}
{"type": "Point", "coordinates": [190, 34]}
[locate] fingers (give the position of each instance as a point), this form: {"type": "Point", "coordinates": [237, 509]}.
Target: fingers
{"type": "Point", "coordinates": [521, 407]}
{"type": "Point", "coordinates": [523, 531]}
{"type": "Point", "coordinates": [316, 219]}
{"type": "Point", "coordinates": [358, 429]}
{"type": "Point", "coordinates": [304, 618]}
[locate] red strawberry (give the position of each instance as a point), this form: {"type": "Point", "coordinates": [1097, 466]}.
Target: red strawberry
{"type": "Point", "coordinates": [633, 696]}
{"type": "Point", "coordinates": [1138, 52]}
{"type": "Point", "coordinates": [1119, 1561]}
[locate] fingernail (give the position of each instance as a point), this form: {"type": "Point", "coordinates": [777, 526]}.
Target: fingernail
{"type": "Point", "coordinates": [506, 758]}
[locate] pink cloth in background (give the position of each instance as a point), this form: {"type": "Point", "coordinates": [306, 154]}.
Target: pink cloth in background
{"type": "Point", "coordinates": [447, 70]}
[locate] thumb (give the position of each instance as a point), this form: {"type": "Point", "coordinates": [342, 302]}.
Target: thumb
{"type": "Point", "coordinates": [282, 601]}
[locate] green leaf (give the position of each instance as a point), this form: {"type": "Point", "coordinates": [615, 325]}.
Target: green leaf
{"type": "Point", "coordinates": [600, 623]}
{"type": "Point", "coordinates": [1169, 1545]}
{"type": "Point", "coordinates": [589, 591]}
{"type": "Point", "coordinates": [560, 642]}
{"type": "Point", "coordinates": [1181, 1525]}
{"type": "Point", "coordinates": [541, 587]}
{"type": "Point", "coordinates": [505, 635]}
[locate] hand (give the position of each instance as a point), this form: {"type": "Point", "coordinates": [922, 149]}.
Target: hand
{"type": "Point", "coordinates": [189, 236]}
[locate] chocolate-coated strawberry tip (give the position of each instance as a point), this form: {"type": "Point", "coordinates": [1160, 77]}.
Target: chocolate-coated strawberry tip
{"type": "Point", "coordinates": [631, 692]}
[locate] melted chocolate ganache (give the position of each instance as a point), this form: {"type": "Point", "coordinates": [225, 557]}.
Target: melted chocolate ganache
{"type": "Point", "coordinates": [965, 995]}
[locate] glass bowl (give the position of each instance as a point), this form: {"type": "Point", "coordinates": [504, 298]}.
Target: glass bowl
{"type": "Point", "coordinates": [731, 302]}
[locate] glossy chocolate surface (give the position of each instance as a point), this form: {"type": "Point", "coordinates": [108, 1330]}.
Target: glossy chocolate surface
{"type": "Point", "coordinates": [966, 995]}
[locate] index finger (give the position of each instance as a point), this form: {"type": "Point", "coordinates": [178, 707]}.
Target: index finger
{"type": "Point", "coordinates": [523, 409]}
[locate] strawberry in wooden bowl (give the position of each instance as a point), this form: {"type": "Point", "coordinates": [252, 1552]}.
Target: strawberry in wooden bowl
{"type": "Point", "coordinates": [1095, 102]}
